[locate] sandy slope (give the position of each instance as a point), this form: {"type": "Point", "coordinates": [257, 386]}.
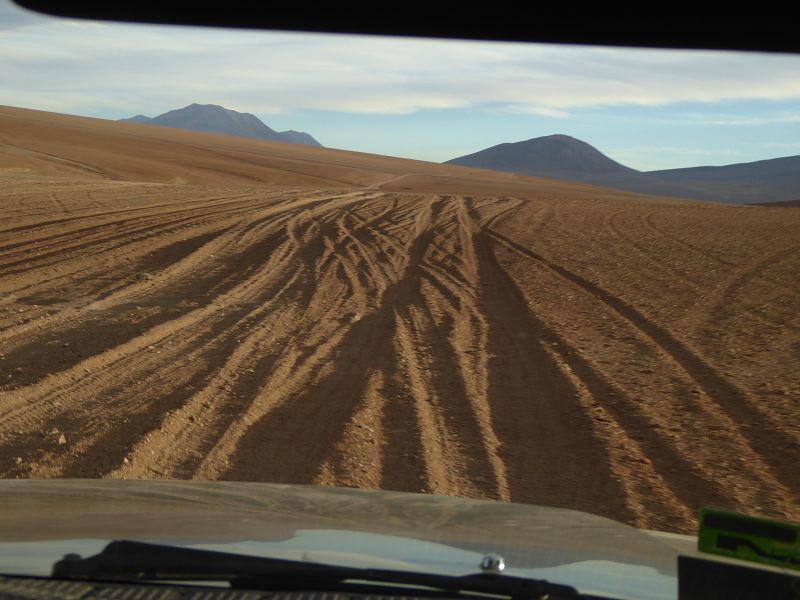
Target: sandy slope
{"type": "Point", "coordinates": [381, 323]}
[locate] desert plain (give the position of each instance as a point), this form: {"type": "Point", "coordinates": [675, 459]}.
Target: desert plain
{"type": "Point", "coordinates": [179, 305]}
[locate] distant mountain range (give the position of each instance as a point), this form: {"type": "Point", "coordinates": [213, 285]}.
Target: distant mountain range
{"type": "Point", "coordinates": [566, 158]}
{"type": "Point", "coordinates": [217, 119]}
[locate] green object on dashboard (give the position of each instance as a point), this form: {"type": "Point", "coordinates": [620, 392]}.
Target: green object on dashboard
{"type": "Point", "coordinates": [754, 539]}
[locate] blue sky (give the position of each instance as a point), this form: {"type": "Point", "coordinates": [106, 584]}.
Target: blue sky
{"type": "Point", "coordinates": [425, 99]}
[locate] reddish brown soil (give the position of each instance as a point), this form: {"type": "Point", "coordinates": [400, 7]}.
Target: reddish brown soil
{"type": "Point", "coordinates": [180, 305]}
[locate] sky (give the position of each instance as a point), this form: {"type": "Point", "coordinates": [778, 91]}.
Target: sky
{"type": "Point", "coordinates": [416, 98]}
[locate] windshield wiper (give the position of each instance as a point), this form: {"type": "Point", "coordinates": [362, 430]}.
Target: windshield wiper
{"type": "Point", "coordinates": [137, 561]}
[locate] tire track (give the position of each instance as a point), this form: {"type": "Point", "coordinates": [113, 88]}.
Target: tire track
{"type": "Point", "coordinates": [767, 442]}
{"type": "Point", "coordinates": [127, 363]}
{"type": "Point", "coordinates": [647, 221]}
{"type": "Point", "coordinates": [361, 345]}
{"type": "Point", "coordinates": [279, 284]}
{"type": "Point", "coordinates": [533, 412]}
{"type": "Point", "coordinates": [402, 316]}
{"type": "Point", "coordinates": [126, 231]}
{"type": "Point", "coordinates": [611, 223]}
{"type": "Point", "coordinates": [725, 294]}
{"type": "Point", "coordinates": [183, 269]}
{"type": "Point", "coordinates": [368, 339]}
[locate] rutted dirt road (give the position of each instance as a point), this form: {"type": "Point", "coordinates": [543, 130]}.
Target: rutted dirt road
{"type": "Point", "coordinates": [632, 359]}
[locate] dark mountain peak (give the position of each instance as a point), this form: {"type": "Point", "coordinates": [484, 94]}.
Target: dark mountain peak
{"type": "Point", "coordinates": [198, 105]}
{"type": "Point", "coordinates": [567, 158]}
{"type": "Point", "coordinates": [554, 140]}
{"type": "Point", "coordinates": [560, 140]}
{"type": "Point", "coordinates": [555, 137]}
{"type": "Point", "coordinates": [213, 108]}
{"type": "Point", "coordinates": [213, 118]}
{"type": "Point", "coordinates": [137, 119]}
{"type": "Point", "coordinates": [559, 156]}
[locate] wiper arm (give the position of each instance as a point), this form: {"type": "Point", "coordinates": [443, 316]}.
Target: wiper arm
{"type": "Point", "coordinates": [138, 561]}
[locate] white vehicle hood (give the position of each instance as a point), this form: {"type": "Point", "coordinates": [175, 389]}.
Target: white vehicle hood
{"type": "Point", "coordinates": [42, 520]}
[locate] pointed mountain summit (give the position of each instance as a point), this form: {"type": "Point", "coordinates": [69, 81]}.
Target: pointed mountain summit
{"type": "Point", "coordinates": [570, 159]}
{"type": "Point", "coordinates": [212, 118]}
{"type": "Point", "coordinates": [138, 119]}
{"type": "Point", "coordinates": [557, 156]}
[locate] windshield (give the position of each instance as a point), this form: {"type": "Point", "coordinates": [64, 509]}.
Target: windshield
{"type": "Point", "coordinates": [553, 275]}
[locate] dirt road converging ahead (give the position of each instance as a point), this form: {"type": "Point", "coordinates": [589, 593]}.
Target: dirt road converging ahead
{"type": "Point", "coordinates": [567, 346]}
{"type": "Point", "coordinates": [418, 342]}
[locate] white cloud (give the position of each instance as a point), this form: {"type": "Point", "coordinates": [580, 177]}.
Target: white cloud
{"type": "Point", "coordinates": [728, 120]}
{"type": "Point", "coordinates": [91, 68]}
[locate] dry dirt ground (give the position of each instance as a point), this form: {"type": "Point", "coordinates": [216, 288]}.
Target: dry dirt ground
{"type": "Point", "coordinates": [177, 305]}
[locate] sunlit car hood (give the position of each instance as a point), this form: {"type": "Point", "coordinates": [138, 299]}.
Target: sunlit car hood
{"type": "Point", "coordinates": [42, 520]}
